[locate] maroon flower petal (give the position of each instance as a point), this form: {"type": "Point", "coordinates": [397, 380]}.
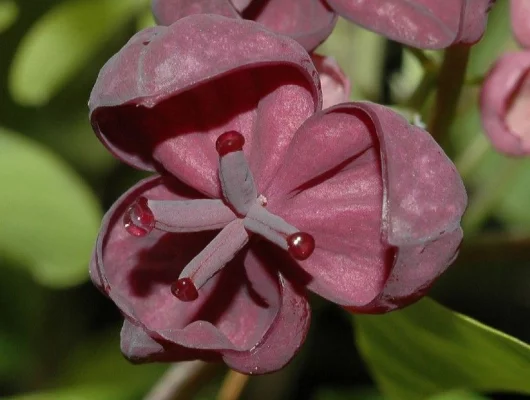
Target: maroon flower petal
{"type": "Point", "coordinates": [150, 101]}
{"type": "Point", "coordinates": [385, 195]}
{"type": "Point", "coordinates": [431, 24]}
{"type": "Point", "coordinates": [520, 17]}
{"type": "Point", "coordinates": [504, 104]}
{"type": "Point", "coordinates": [168, 11]}
{"type": "Point", "coordinates": [228, 319]}
{"type": "Point", "coordinates": [309, 22]}
{"type": "Point", "coordinates": [288, 331]}
{"type": "Point", "coordinates": [335, 84]}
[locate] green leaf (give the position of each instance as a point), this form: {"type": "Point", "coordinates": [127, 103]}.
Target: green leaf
{"type": "Point", "coordinates": [458, 395]}
{"type": "Point", "coordinates": [426, 349]}
{"type": "Point", "coordinates": [58, 45]}
{"type": "Point", "coordinates": [78, 393]}
{"type": "Point", "coordinates": [50, 218]}
{"type": "Point", "coordinates": [496, 40]}
{"type": "Point", "coordinates": [8, 14]}
{"type": "Point", "coordinates": [364, 68]}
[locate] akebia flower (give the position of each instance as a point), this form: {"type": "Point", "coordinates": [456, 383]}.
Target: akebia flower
{"type": "Point", "coordinates": [260, 196]}
{"type": "Point", "coordinates": [430, 24]}
{"type": "Point", "coordinates": [504, 104]}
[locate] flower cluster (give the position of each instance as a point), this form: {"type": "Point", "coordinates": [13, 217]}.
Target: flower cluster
{"type": "Point", "coordinates": [260, 194]}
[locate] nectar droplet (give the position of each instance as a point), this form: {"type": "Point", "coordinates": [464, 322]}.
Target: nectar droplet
{"type": "Point", "coordinates": [184, 289]}
{"type": "Point", "coordinates": [139, 219]}
{"type": "Point", "coordinates": [301, 245]}
{"type": "Point", "coordinates": [229, 142]}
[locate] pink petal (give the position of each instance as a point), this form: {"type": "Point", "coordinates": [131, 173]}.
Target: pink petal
{"type": "Point", "coordinates": [431, 24]}
{"type": "Point", "coordinates": [149, 102]}
{"type": "Point", "coordinates": [136, 273]}
{"type": "Point", "coordinates": [385, 192]}
{"type": "Point", "coordinates": [286, 335]}
{"type": "Point", "coordinates": [335, 84]}
{"type": "Point", "coordinates": [520, 16]}
{"type": "Point", "coordinates": [309, 22]}
{"type": "Point", "coordinates": [504, 104]}
{"type": "Point", "coordinates": [168, 11]}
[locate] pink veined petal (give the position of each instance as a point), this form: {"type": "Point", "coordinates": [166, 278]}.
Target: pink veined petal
{"type": "Point", "coordinates": [504, 102]}
{"type": "Point", "coordinates": [370, 203]}
{"type": "Point", "coordinates": [136, 273]}
{"type": "Point", "coordinates": [288, 331]}
{"type": "Point", "coordinates": [520, 17]}
{"type": "Point", "coordinates": [416, 267]}
{"type": "Point", "coordinates": [138, 347]}
{"type": "Point", "coordinates": [428, 24]}
{"type": "Point", "coordinates": [242, 76]}
{"type": "Point", "coordinates": [309, 22]}
{"type": "Point", "coordinates": [168, 11]}
{"type": "Point", "coordinates": [335, 84]}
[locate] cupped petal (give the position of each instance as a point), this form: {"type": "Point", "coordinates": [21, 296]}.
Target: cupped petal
{"type": "Point", "coordinates": [372, 203]}
{"type": "Point", "coordinates": [168, 11]}
{"type": "Point", "coordinates": [504, 104]}
{"type": "Point", "coordinates": [430, 24]}
{"type": "Point", "coordinates": [286, 334]}
{"type": "Point", "coordinates": [309, 22]}
{"type": "Point", "coordinates": [149, 103]}
{"type": "Point", "coordinates": [137, 273]}
{"type": "Point", "coordinates": [520, 18]}
{"type": "Point", "coordinates": [335, 84]}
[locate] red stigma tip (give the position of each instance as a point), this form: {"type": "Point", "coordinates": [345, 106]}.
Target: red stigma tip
{"type": "Point", "coordinates": [229, 142]}
{"type": "Point", "coordinates": [139, 219]}
{"type": "Point", "coordinates": [184, 289]}
{"type": "Point", "coordinates": [301, 245]}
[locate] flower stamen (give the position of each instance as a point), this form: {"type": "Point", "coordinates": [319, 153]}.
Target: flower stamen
{"type": "Point", "coordinates": [242, 214]}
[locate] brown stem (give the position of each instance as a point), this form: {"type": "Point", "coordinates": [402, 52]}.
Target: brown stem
{"type": "Point", "coordinates": [450, 82]}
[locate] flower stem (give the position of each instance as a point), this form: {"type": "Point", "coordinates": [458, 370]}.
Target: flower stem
{"type": "Point", "coordinates": [450, 82]}
{"type": "Point", "coordinates": [181, 381]}
{"type": "Point", "coordinates": [232, 386]}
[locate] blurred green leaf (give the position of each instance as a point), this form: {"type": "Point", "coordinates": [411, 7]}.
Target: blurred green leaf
{"type": "Point", "coordinates": [98, 360]}
{"type": "Point", "coordinates": [145, 20]}
{"type": "Point", "coordinates": [360, 53]}
{"type": "Point", "coordinates": [8, 14]}
{"type": "Point", "coordinates": [58, 45]}
{"type": "Point", "coordinates": [348, 394]}
{"type": "Point", "coordinates": [495, 41]}
{"type": "Point", "coordinates": [78, 393]}
{"type": "Point", "coordinates": [49, 216]}
{"type": "Point", "coordinates": [458, 395]}
{"type": "Point", "coordinates": [426, 349]}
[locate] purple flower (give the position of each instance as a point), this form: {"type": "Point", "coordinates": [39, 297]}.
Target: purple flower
{"type": "Point", "coordinates": [504, 104]}
{"type": "Point", "coordinates": [430, 24]}
{"type": "Point", "coordinates": [261, 195]}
